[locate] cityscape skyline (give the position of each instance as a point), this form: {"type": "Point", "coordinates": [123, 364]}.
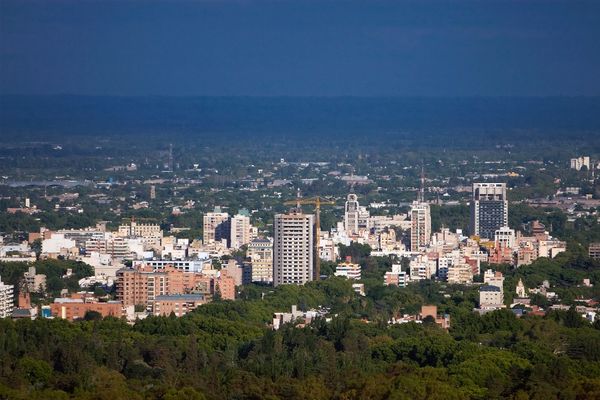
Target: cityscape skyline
{"type": "Point", "coordinates": [299, 199]}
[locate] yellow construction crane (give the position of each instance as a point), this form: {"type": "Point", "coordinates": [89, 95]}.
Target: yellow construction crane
{"type": "Point", "coordinates": [317, 202]}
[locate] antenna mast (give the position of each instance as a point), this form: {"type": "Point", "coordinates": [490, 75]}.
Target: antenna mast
{"type": "Point", "coordinates": [421, 196]}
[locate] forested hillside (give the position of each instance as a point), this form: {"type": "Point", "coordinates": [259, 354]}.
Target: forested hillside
{"type": "Point", "coordinates": [225, 350]}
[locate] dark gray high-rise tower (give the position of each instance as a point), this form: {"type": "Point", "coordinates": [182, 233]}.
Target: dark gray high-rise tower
{"type": "Point", "coordinates": [489, 209]}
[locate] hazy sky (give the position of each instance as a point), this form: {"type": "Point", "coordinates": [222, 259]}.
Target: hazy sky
{"type": "Point", "coordinates": [371, 47]}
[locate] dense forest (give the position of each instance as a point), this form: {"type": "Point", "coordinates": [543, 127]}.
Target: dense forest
{"type": "Point", "coordinates": [225, 349]}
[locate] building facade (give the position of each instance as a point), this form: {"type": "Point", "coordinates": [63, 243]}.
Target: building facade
{"type": "Point", "coordinates": [351, 214]}
{"type": "Point", "coordinates": [117, 247]}
{"type": "Point", "coordinates": [36, 283]}
{"type": "Point", "coordinates": [420, 225]}
{"type": "Point", "coordinates": [348, 270]}
{"type": "Point", "coordinates": [489, 209]}
{"type": "Point", "coordinates": [182, 265]}
{"type": "Point", "coordinates": [141, 285]}
{"type": "Point", "coordinates": [356, 218]}
{"type": "Point", "coordinates": [260, 253]}
{"type": "Point", "coordinates": [490, 297]}
{"type": "Point", "coordinates": [75, 308]}
{"type": "Point", "coordinates": [240, 231]}
{"type": "Point", "coordinates": [505, 237]}
{"type": "Point", "coordinates": [7, 300]}
{"type": "Point", "coordinates": [178, 304]}
{"type": "Point", "coordinates": [396, 276]}
{"type": "Point", "coordinates": [140, 230]}
{"type": "Point", "coordinates": [293, 248]}
{"type": "Point", "coordinates": [460, 274]}
{"type": "Point", "coordinates": [216, 227]}
{"type": "Point", "coordinates": [594, 251]}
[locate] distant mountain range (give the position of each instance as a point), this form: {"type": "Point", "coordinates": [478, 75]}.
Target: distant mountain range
{"type": "Point", "coordinates": [36, 116]}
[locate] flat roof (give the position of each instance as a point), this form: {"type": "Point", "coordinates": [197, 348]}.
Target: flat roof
{"type": "Point", "coordinates": [192, 297]}
{"type": "Point", "coordinates": [489, 288]}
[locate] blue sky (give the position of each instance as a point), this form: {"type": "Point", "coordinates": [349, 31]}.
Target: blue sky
{"type": "Point", "coordinates": [300, 48]}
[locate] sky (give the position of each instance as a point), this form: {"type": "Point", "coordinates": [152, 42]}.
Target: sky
{"type": "Point", "coordinates": [300, 47]}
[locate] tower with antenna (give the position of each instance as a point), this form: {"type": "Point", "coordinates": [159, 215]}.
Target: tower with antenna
{"type": "Point", "coordinates": [421, 195]}
{"type": "Point", "coordinates": [420, 219]}
{"type": "Point", "coordinates": [171, 157]}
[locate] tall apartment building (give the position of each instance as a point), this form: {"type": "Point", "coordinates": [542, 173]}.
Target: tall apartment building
{"type": "Point", "coordinates": [139, 286]}
{"type": "Point", "coordinates": [240, 231]}
{"type": "Point", "coordinates": [260, 252]}
{"type": "Point", "coordinates": [216, 226]}
{"type": "Point", "coordinates": [351, 214]}
{"type": "Point", "coordinates": [355, 216]}
{"type": "Point", "coordinates": [489, 209]}
{"type": "Point", "coordinates": [293, 248]}
{"type": "Point", "coordinates": [420, 225]}
{"type": "Point", "coordinates": [7, 300]}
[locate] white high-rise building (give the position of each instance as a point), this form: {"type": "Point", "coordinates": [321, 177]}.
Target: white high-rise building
{"type": "Point", "coordinates": [489, 209]}
{"type": "Point", "coordinates": [356, 217]}
{"type": "Point", "coordinates": [241, 231]}
{"type": "Point", "coordinates": [215, 226]}
{"type": "Point", "coordinates": [351, 214]}
{"type": "Point", "coordinates": [293, 248]}
{"type": "Point", "coordinates": [7, 300]}
{"type": "Point", "coordinates": [420, 226]}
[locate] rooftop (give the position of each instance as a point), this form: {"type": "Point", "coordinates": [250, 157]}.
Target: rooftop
{"type": "Point", "coordinates": [180, 297]}
{"type": "Point", "coordinates": [489, 288]}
